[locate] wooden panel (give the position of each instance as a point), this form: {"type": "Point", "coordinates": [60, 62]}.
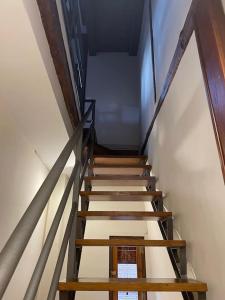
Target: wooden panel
{"type": "Point", "coordinates": [124, 215]}
{"type": "Point", "coordinates": [210, 34]}
{"type": "Point", "coordinates": [120, 160]}
{"type": "Point", "coordinates": [118, 180]}
{"type": "Point", "coordinates": [140, 285]}
{"type": "Point", "coordinates": [51, 23]}
{"type": "Point", "coordinates": [119, 169]}
{"type": "Point", "coordinates": [120, 196]}
{"type": "Point", "coordinates": [127, 255]}
{"type": "Point", "coordinates": [131, 242]}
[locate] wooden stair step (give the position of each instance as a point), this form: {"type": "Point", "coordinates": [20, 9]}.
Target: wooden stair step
{"type": "Point", "coordinates": [118, 160]}
{"type": "Point", "coordinates": [119, 180]}
{"type": "Point", "coordinates": [124, 215]}
{"type": "Point", "coordinates": [139, 285]}
{"type": "Point", "coordinates": [131, 243]}
{"type": "Point", "coordinates": [101, 169]}
{"type": "Point", "coordinates": [120, 196]}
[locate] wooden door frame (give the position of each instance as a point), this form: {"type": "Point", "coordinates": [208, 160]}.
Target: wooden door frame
{"type": "Point", "coordinates": [111, 260]}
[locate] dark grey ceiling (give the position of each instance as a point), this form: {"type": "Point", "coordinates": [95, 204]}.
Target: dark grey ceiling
{"type": "Point", "coordinates": [113, 25]}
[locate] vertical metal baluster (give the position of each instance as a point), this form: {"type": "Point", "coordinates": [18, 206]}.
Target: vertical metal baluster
{"type": "Point", "coordinates": [160, 204]}
{"type": "Point", "coordinates": [169, 226]}
{"type": "Point", "coordinates": [183, 263]}
{"type": "Point", "coordinates": [74, 254]}
{"type": "Point", "coordinates": [71, 263]}
{"type": "Point", "coordinates": [202, 296]}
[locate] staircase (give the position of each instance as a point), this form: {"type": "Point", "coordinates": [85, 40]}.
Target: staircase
{"type": "Point", "coordinates": [129, 171]}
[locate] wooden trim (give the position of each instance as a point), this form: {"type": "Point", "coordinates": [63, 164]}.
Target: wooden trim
{"type": "Point", "coordinates": [140, 285]}
{"type": "Point", "coordinates": [210, 23]}
{"type": "Point", "coordinates": [129, 242]}
{"type": "Point", "coordinates": [140, 260]}
{"type": "Point", "coordinates": [206, 18]}
{"type": "Point", "coordinates": [120, 196]}
{"type": "Point", "coordinates": [124, 215]}
{"type": "Point", "coordinates": [51, 23]}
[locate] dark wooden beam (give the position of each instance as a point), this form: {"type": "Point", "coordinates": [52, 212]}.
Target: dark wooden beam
{"type": "Point", "coordinates": [51, 23]}
{"type": "Point", "coordinates": [210, 33]}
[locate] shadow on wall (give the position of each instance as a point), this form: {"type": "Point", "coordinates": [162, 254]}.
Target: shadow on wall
{"type": "Point", "coordinates": [112, 79]}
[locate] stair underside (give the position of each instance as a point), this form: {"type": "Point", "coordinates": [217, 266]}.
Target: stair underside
{"type": "Point", "coordinates": [131, 243]}
{"type": "Point", "coordinates": [119, 180]}
{"type": "Point", "coordinates": [118, 160]}
{"type": "Point", "coordinates": [120, 196]}
{"type": "Point", "coordinates": [101, 169]}
{"type": "Point", "coordinates": [124, 215]}
{"type": "Point", "coordinates": [140, 285]}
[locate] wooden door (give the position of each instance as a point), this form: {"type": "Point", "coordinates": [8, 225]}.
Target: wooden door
{"type": "Point", "coordinates": [127, 262]}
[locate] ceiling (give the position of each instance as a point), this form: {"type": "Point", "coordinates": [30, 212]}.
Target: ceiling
{"type": "Point", "coordinates": [113, 25]}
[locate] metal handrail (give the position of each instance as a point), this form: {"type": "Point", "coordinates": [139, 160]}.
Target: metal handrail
{"type": "Point", "coordinates": [60, 260]}
{"type": "Point", "coordinates": [16, 244]}
{"type": "Point", "coordinates": [42, 260]}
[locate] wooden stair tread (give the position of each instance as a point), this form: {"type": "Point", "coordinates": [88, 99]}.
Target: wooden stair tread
{"type": "Point", "coordinates": [146, 167]}
{"type": "Point", "coordinates": [124, 215]}
{"type": "Point", "coordinates": [115, 160]}
{"type": "Point", "coordinates": [119, 196]}
{"type": "Point", "coordinates": [131, 242]}
{"type": "Point", "coordinates": [140, 285]}
{"type": "Point", "coordinates": [119, 180]}
{"type": "Point", "coordinates": [111, 169]}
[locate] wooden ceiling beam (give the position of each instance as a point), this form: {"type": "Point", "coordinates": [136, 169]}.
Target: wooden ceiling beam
{"type": "Point", "coordinates": [50, 19]}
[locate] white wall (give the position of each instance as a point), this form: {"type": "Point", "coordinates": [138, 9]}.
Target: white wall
{"type": "Point", "coordinates": [185, 158]}
{"type": "Point", "coordinates": [50, 214]}
{"type": "Point", "coordinates": [30, 89]}
{"type": "Point", "coordinates": [183, 150]}
{"type": "Point", "coordinates": [146, 72]}
{"type": "Point", "coordinates": [112, 80]}
{"type": "Point", "coordinates": [21, 175]}
{"type": "Point", "coordinates": [32, 129]}
{"type": "Point", "coordinates": [168, 20]}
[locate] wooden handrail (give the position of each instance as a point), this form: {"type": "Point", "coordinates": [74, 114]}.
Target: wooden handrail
{"type": "Point", "coordinates": [206, 18]}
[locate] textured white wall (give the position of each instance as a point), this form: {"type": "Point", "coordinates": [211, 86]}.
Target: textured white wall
{"type": "Point", "coordinates": [112, 79]}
